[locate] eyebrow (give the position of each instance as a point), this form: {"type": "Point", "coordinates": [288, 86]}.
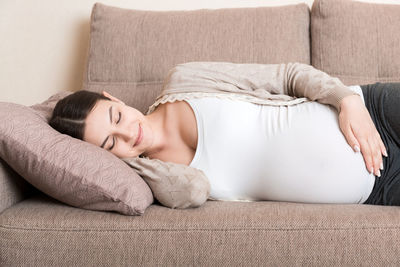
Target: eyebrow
{"type": "Point", "coordinates": [104, 142]}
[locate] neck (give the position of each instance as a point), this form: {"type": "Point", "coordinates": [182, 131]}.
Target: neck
{"type": "Point", "coordinates": [156, 121]}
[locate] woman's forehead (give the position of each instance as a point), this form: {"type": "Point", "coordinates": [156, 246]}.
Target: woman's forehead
{"type": "Point", "coordinates": [103, 106]}
{"type": "Point", "coordinates": [100, 110]}
{"type": "Point", "coordinates": [96, 121]}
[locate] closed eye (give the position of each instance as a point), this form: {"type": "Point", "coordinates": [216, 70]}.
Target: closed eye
{"type": "Point", "coordinates": [112, 144]}
{"type": "Point", "coordinates": [119, 117]}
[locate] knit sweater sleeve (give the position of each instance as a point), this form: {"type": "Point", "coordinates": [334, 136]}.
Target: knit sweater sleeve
{"type": "Point", "coordinates": [305, 80]}
{"type": "Point", "coordinates": [267, 81]}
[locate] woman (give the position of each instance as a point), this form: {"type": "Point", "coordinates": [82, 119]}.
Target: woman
{"type": "Point", "coordinates": [270, 151]}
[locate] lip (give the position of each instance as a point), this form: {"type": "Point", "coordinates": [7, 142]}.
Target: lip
{"type": "Point", "coordinates": [140, 136]}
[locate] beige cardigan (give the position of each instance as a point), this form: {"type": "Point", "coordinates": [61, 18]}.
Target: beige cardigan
{"type": "Point", "coordinates": [180, 186]}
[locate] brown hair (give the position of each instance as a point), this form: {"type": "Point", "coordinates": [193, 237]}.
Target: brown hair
{"type": "Point", "coordinates": [70, 113]}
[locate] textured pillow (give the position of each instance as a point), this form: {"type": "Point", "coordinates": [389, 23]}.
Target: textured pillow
{"type": "Point", "coordinates": [68, 169]}
{"type": "Point", "coordinates": [357, 42]}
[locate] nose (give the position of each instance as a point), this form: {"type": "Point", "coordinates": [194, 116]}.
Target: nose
{"type": "Point", "coordinates": [125, 131]}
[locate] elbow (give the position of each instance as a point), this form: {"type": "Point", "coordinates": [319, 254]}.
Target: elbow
{"type": "Point", "coordinates": [193, 195]}
{"type": "Point", "coordinates": [199, 192]}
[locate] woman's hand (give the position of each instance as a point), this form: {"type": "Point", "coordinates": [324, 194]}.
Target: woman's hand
{"type": "Point", "coordinates": [360, 132]}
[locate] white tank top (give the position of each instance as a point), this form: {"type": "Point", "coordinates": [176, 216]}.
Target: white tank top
{"type": "Point", "coordinates": [294, 153]}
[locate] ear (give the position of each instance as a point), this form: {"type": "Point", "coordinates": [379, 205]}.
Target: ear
{"type": "Point", "coordinates": [113, 98]}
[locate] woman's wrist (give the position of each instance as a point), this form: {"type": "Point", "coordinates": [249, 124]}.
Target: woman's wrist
{"type": "Point", "coordinates": [349, 101]}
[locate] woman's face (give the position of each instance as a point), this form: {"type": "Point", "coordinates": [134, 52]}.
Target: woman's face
{"type": "Point", "coordinates": [118, 128]}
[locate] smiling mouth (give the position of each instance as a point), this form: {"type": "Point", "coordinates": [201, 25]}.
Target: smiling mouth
{"type": "Point", "coordinates": [140, 136]}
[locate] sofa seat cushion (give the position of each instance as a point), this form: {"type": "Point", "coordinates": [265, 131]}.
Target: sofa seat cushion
{"type": "Point", "coordinates": [265, 233]}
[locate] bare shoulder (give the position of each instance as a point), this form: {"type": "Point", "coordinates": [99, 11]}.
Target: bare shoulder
{"type": "Point", "coordinates": [182, 111]}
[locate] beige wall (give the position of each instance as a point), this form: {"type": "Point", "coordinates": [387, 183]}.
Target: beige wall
{"type": "Point", "coordinates": [43, 43]}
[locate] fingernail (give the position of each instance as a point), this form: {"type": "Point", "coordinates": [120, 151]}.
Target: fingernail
{"type": "Point", "coordinates": [356, 148]}
{"type": "Point", "coordinates": [378, 173]}
{"type": "Point", "coordinates": [372, 171]}
{"type": "Point", "coordinates": [385, 153]}
{"type": "Point", "coordinates": [381, 166]}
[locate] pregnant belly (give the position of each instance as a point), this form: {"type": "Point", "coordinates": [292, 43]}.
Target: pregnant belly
{"type": "Point", "coordinates": [310, 161]}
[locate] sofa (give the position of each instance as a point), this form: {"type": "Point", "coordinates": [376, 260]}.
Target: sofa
{"type": "Point", "coordinates": [129, 54]}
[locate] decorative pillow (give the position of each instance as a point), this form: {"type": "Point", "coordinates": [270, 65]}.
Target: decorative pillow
{"type": "Point", "coordinates": [68, 169]}
{"type": "Point", "coordinates": [356, 42]}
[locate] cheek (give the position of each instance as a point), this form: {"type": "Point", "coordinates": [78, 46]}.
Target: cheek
{"type": "Point", "coordinates": [90, 136]}
{"type": "Point", "coordinates": [126, 148]}
{"type": "Point", "coordinates": [135, 114]}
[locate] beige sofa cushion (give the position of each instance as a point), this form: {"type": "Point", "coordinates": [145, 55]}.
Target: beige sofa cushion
{"type": "Point", "coordinates": [219, 233]}
{"type": "Point", "coordinates": [70, 170]}
{"type": "Point", "coordinates": [131, 51]}
{"type": "Point", "coordinates": [355, 41]}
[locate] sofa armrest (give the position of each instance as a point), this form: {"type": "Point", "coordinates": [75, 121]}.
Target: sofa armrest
{"type": "Point", "coordinates": [13, 188]}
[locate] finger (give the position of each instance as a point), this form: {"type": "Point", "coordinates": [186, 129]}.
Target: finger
{"type": "Point", "coordinates": [382, 146]}
{"type": "Point", "coordinates": [366, 152]}
{"type": "Point", "coordinates": [351, 139]}
{"type": "Point", "coordinates": [382, 149]}
{"type": "Point", "coordinates": [376, 156]}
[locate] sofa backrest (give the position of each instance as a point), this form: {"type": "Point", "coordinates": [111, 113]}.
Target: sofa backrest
{"type": "Point", "coordinates": [131, 51]}
{"type": "Point", "coordinates": [357, 42]}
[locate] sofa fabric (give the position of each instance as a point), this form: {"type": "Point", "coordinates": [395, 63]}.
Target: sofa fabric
{"type": "Point", "coordinates": [43, 232]}
{"type": "Point", "coordinates": [355, 41]}
{"type": "Point", "coordinates": [131, 51]}
{"type": "Point", "coordinates": [13, 188]}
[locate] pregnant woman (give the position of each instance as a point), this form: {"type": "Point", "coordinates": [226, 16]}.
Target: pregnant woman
{"type": "Point", "coordinates": [282, 132]}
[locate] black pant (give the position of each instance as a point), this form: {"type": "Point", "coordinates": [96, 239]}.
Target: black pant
{"type": "Point", "coordinates": [383, 103]}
